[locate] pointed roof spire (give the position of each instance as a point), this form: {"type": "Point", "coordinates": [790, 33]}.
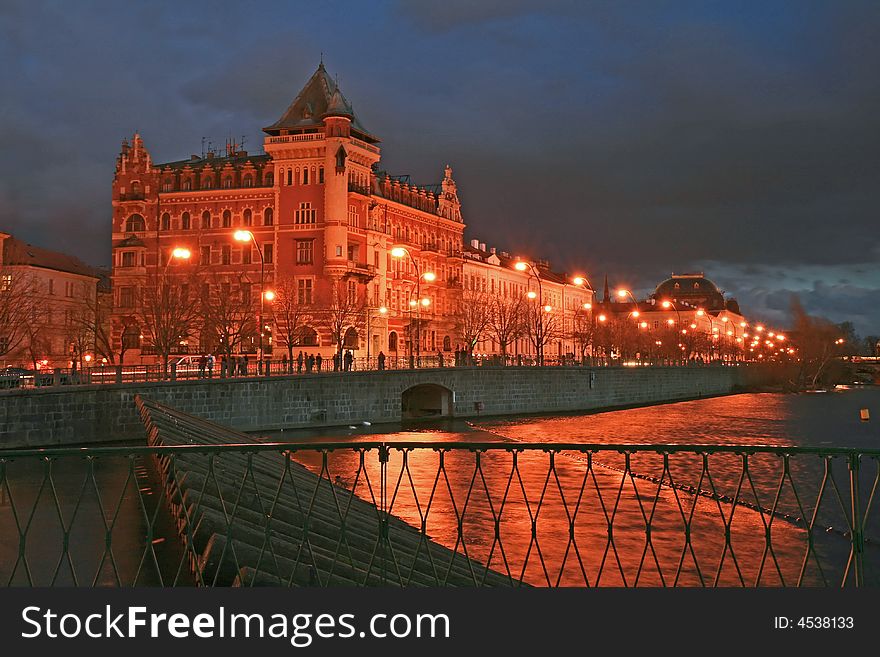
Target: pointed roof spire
{"type": "Point", "coordinates": [606, 297]}
{"type": "Point", "coordinates": [321, 96]}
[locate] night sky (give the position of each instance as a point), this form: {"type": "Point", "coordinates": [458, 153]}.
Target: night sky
{"type": "Point", "coordinates": [619, 137]}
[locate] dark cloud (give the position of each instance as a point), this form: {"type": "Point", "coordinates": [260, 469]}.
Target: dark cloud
{"type": "Point", "coordinates": [624, 137]}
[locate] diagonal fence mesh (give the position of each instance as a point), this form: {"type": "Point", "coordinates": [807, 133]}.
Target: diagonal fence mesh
{"type": "Point", "coordinates": [456, 514]}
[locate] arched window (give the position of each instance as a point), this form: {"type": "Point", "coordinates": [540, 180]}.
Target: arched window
{"type": "Point", "coordinates": [131, 337]}
{"type": "Point", "coordinates": [207, 183]}
{"type": "Point", "coordinates": [135, 223]}
{"type": "Point", "coordinates": [135, 188]}
{"type": "Point", "coordinates": [227, 219]}
{"type": "Point", "coordinates": [247, 181]}
{"type": "Point", "coordinates": [447, 343]}
{"type": "Point", "coordinates": [321, 175]}
{"type": "Point", "coordinates": [185, 221]}
{"type": "Point", "coordinates": [392, 341]}
{"type": "Point", "coordinates": [308, 337]}
{"type": "Point", "coordinates": [350, 341]}
{"type": "Point", "coordinates": [187, 185]}
{"type": "Point", "coordinates": [305, 175]}
{"type": "Point", "coordinates": [289, 176]}
{"type": "Point", "coordinates": [268, 217]}
{"type": "Point", "coordinates": [168, 185]}
{"type": "Point", "coordinates": [227, 182]}
{"type": "Point", "coordinates": [248, 217]}
{"type": "Point", "coordinates": [270, 179]}
{"type": "Point", "coordinates": [166, 221]}
{"type": "Point", "coordinates": [206, 219]}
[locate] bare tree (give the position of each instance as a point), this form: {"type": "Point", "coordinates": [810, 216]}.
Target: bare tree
{"type": "Point", "coordinates": [18, 303]}
{"type": "Point", "coordinates": [818, 341]}
{"type": "Point", "coordinates": [472, 315]}
{"type": "Point", "coordinates": [168, 312]}
{"type": "Point", "coordinates": [228, 313]}
{"type": "Point", "coordinates": [505, 320]}
{"type": "Point", "coordinates": [540, 326]}
{"type": "Point", "coordinates": [290, 317]}
{"type": "Point", "coordinates": [338, 310]}
{"type": "Point", "coordinates": [583, 330]}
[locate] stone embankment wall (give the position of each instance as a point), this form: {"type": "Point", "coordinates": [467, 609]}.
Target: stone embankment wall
{"type": "Point", "coordinates": [106, 412]}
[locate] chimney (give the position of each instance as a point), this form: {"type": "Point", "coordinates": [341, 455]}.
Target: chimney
{"type": "Point", "coordinates": [475, 244]}
{"type": "Point", "coordinates": [482, 246]}
{"type": "Point", "coordinates": [492, 250]}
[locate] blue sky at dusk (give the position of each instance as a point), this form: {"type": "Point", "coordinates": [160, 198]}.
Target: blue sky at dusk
{"type": "Point", "coordinates": [619, 137]}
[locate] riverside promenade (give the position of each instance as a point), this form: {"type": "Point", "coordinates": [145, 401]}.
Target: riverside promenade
{"type": "Point", "coordinates": [100, 413]}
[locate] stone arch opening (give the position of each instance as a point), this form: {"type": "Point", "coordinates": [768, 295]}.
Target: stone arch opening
{"type": "Point", "coordinates": [426, 400]}
{"type": "Point", "coordinates": [350, 339]}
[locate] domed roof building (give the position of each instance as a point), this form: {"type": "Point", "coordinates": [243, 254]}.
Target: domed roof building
{"type": "Point", "coordinates": [694, 290]}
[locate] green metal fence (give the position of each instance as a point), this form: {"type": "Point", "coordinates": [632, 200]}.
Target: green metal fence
{"type": "Point", "coordinates": [518, 514]}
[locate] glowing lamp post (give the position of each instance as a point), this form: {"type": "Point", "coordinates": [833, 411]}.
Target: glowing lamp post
{"type": "Point", "coordinates": [523, 266]}
{"type": "Point", "coordinates": [265, 295]}
{"type": "Point", "coordinates": [403, 252]}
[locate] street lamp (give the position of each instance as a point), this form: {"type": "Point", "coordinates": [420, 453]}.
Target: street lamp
{"type": "Point", "coordinates": [522, 265]}
{"type": "Point", "coordinates": [265, 295]}
{"type": "Point", "coordinates": [401, 252]}
{"type": "Point", "coordinates": [178, 253]}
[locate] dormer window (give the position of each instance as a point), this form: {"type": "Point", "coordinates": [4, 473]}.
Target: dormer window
{"type": "Point", "coordinates": [677, 286]}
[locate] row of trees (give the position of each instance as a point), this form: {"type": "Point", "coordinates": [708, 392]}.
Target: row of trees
{"type": "Point", "coordinates": [504, 320]}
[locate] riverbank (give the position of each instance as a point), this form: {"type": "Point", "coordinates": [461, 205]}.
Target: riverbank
{"type": "Point", "coordinates": [106, 413]}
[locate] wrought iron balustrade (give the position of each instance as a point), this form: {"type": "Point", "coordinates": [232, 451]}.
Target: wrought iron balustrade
{"type": "Point", "coordinates": [554, 514]}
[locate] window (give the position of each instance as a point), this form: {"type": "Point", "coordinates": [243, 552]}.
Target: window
{"type": "Point", "coordinates": [248, 217]}
{"type": "Point", "coordinates": [187, 185]}
{"type": "Point", "coordinates": [305, 175]}
{"type": "Point", "coordinates": [270, 180]}
{"type": "Point", "coordinates": [128, 259]}
{"type": "Point", "coordinates": [246, 294]}
{"type": "Point", "coordinates": [304, 291]}
{"type": "Point", "coordinates": [207, 183]}
{"type": "Point", "coordinates": [227, 182]}
{"type": "Point", "coordinates": [352, 292]}
{"type": "Point", "coordinates": [353, 216]}
{"type": "Point", "coordinates": [185, 221]}
{"type": "Point", "coordinates": [320, 175]}
{"type": "Point", "coordinates": [268, 253]}
{"type": "Point", "coordinates": [308, 337]}
{"type": "Point", "coordinates": [166, 221]}
{"type": "Point", "coordinates": [392, 341]}
{"type": "Point", "coordinates": [305, 252]}
{"type": "Point", "coordinates": [168, 185]}
{"type": "Point", "coordinates": [205, 255]}
{"type": "Point", "coordinates": [268, 217]}
{"type": "Point", "coordinates": [247, 181]}
{"type": "Point", "coordinates": [227, 219]}
{"type": "Point", "coordinates": [126, 297]}
{"type": "Point", "coordinates": [289, 176]}
{"type": "Point", "coordinates": [305, 215]}
{"type": "Point", "coordinates": [131, 337]}
{"type": "Point", "coordinates": [226, 254]}
{"type": "Point", "coordinates": [338, 251]}
{"type": "Point", "coordinates": [246, 254]}
{"type": "Point", "coordinates": [5, 282]}
{"type": "Point", "coordinates": [51, 286]}
{"type": "Point", "coordinates": [135, 223]}
{"type": "Point", "coordinates": [206, 219]}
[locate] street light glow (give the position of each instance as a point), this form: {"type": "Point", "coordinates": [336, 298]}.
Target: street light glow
{"type": "Point", "coordinates": [635, 313]}
{"type": "Point", "coordinates": [520, 266]}
{"type": "Point", "coordinates": [548, 308]}
{"type": "Point", "coordinates": [579, 280]}
{"type": "Point", "coordinates": [701, 312]}
{"type": "Point", "coordinates": [429, 276]}
{"type": "Point", "coordinates": [666, 304]}
{"type": "Point", "coordinates": [622, 293]}
{"type": "Point", "coordinates": [382, 310]}
{"type": "Point", "coordinates": [269, 295]}
{"type": "Point", "coordinates": [243, 235]}
{"type": "Point", "coordinates": [531, 294]}
{"type": "Point", "coordinates": [426, 301]}
{"type": "Point", "coordinates": [602, 318]}
{"type": "Point", "coordinates": [398, 252]}
{"type": "Point", "coordinates": [588, 306]}
{"type": "Point", "coordinates": [181, 252]}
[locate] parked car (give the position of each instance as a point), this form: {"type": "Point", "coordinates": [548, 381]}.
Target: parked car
{"type": "Point", "coordinates": [14, 377]}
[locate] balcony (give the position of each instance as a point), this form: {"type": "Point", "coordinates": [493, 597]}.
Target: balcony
{"type": "Point", "coordinates": [132, 196]}
{"type": "Point", "coordinates": [361, 269]}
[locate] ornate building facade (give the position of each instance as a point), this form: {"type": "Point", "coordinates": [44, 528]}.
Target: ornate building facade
{"type": "Point", "coordinates": [323, 226]}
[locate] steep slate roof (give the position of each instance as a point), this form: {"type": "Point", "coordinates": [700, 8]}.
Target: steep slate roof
{"type": "Point", "coordinates": [16, 252]}
{"type": "Point", "coordinates": [319, 97]}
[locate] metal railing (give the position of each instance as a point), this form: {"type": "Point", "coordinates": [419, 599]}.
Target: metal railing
{"type": "Point", "coordinates": [533, 514]}
{"type": "Point", "coordinates": [252, 367]}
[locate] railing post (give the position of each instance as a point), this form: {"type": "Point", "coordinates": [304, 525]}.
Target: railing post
{"type": "Point", "coordinates": [858, 541]}
{"type": "Point", "coordinates": [383, 502]}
